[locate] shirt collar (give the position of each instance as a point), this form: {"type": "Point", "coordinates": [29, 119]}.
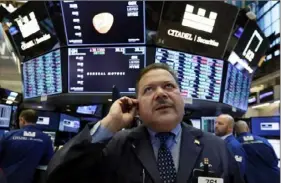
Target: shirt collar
{"type": "Point", "coordinates": [224, 137]}
{"type": "Point", "coordinates": [176, 131]}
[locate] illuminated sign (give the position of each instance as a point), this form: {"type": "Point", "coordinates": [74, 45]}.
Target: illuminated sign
{"type": "Point", "coordinates": [26, 26]}
{"type": "Point", "coordinates": [248, 53]}
{"type": "Point", "coordinates": [199, 21]}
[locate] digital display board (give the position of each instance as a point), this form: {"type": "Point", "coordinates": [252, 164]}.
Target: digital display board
{"type": "Point", "coordinates": [5, 115]}
{"type": "Point", "coordinates": [199, 77]}
{"type": "Point", "coordinates": [104, 22]}
{"type": "Point", "coordinates": [237, 88]}
{"type": "Point", "coordinates": [266, 95]}
{"type": "Point", "coordinates": [31, 29]}
{"type": "Point", "coordinates": [69, 123]}
{"type": "Point", "coordinates": [250, 48]}
{"type": "Point", "coordinates": [196, 27]}
{"type": "Point", "coordinates": [266, 126]}
{"type": "Point", "coordinates": [42, 75]}
{"type": "Point", "coordinates": [96, 70]}
{"type": "Point", "coordinates": [47, 120]}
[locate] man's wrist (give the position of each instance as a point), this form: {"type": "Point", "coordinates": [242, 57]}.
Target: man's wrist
{"type": "Point", "coordinates": [108, 123]}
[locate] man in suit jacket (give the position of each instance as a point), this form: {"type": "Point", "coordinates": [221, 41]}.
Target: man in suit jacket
{"type": "Point", "coordinates": [224, 129]}
{"type": "Point", "coordinates": [162, 149]}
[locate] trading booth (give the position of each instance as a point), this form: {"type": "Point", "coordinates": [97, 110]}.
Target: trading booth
{"type": "Point", "coordinates": [73, 52]}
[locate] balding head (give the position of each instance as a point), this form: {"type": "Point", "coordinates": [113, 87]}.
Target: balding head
{"type": "Point", "coordinates": [224, 125]}
{"type": "Point", "coordinates": [241, 127]}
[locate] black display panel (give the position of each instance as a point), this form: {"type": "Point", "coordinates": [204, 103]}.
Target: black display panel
{"type": "Point", "coordinates": [250, 48]}
{"type": "Point", "coordinates": [104, 22]}
{"type": "Point", "coordinates": [32, 29]}
{"type": "Point", "coordinates": [199, 77]}
{"type": "Point", "coordinates": [197, 27]}
{"type": "Point", "coordinates": [42, 75]}
{"type": "Point", "coordinates": [96, 70]}
{"type": "Point", "coordinates": [266, 95]}
{"type": "Point", "coordinates": [237, 88]}
{"type": "Point", "coordinates": [48, 121]}
{"type": "Point", "coordinates": [5, 115]}
{"type": "Point", "coordinates": [69, 123]}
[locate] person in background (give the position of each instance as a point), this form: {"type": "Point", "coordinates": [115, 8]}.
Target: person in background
{"type": "Point", "coordinates": [224, 126]}
{"type": "Point", "coordinates": [21, 151]}
{"type": "Point", "coordinates": [262, 162]}
{"type": "Point", "coordinates": [162, 149]}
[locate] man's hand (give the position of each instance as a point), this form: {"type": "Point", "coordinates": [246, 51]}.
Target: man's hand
{"type": "Point", "coordinates": [121, 114]}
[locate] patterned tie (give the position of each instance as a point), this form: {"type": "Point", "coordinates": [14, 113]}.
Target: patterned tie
{"type": "Point", "coordinates": [165, 161]}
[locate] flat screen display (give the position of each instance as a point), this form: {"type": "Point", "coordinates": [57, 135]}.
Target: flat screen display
{"type": "Point", "coordinates": [104, 22]}
{"type": "Point", "coordinates": [42, 75]}
{"type": "Point", "coordinates": [32, 29]}
{"type": "Point", "coordinates": [52, 135]}
{"type": "Point", "coordinates": [237, 88]}
{"type": "Point", "coordinates": [48, 121]}
{"type": "Point", "coordinates": [250, 48]}
{"type": "Point", "coordinates": [252, 99]}
{"type": "Point", "coordinates": [199, 77]}
{"type": "Point", "coordinates": [96, 70]}
{"type": "Point", "coordinates": [266, 126]}
{"type": "Point", "coordinates": [5, 115]}
{"type": "Point", "coordinates": [197, 27]}
{"type": "Point", "coordinates": [89, 109]}
{"type": "Point", "coordinates": [208, 124]}
{"type": "Point", "coordinates": [266, 95]}
{"type": "Point", "coordinates": [69, 123]}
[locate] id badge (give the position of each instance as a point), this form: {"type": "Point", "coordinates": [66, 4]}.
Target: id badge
{"type": "Point", "coordinates": [209, 180]}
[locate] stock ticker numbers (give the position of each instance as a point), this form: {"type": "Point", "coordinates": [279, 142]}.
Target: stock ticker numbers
{"type": "Point", "coordinates": [237, 88]}
{"type": "Point", "coordinates": [42, 75]}
{"type": "Point", "coordinates": [96, 70]}
{"type": "Point", "coordinates": [199, 77]}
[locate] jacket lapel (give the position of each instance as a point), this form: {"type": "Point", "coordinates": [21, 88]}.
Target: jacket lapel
{"type": "Point", "coordinates": [189, 152]}
{"type": "Point", "coordinates": [142, 147]}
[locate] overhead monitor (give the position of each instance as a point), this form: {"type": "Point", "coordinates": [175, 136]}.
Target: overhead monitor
{"type": "Point", "coordinates": [96, 70]}
{"type": "Point", "coordinates": [69, 123]}
{"type": "Point", "coordinates": [237, 88]}
{"type": "Point", "coordinates": [47, 121]}
{"type": "Point", "coordinates": [252, 99]}
{"type": "Point", "coordinates": [42, 75]}
{"type": "Point", "coordinates": [250, 48]}
{"type": "Point", "coordinates": [89, 109]}
{"type": "Point", "coordinates": [199, 77]}
{"type": "Point", "coordinates": [197, 27]}
{"type": "Point", "coordinates": [32, 29]}
{"type": "Point", "coordinates": [104, 22]}
{"type": "Point", "coordinates": [266, 126]}
{"type": "Point", "coordinates": [5, 115]}
{"type": "Point", "coordinates": [208, 124]}
{"type": "Point", "coordinates": [196, 123]}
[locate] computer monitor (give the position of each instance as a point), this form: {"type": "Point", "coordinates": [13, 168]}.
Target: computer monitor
{"type": "Point", "coordinates": [89, 109]}
{"type": "Point", "coordinates": [47, 121]}
{"type": "Point", "coordinates": [69, 123]}
{"type": "Point", "coordinates": [196, 123]}
{"type": "Point", "coordinates": [208, 124]}
{"type": "Point", "coordinates": [5, 115]}
{"type": "Point", "coordinates": [52, 135]}
{"type": "Point", "coordinates": [266, 126]}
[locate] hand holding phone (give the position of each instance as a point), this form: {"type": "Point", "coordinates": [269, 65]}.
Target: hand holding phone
{"type": "Point", "coordinates": [121, 114]}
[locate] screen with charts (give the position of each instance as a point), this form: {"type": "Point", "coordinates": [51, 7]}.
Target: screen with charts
{"type": "Point", "coordinates": [266, 126]}
{"type": "Point", "coordinates": [208, 124]}
{"type": "Point", "coordinates": [196, 27]}
{"type": "Point", "coordinates": [69, 123]}
{"type": "Point", "coordinates": [48, 121]}
{"type": "Point", "coordinates": [42, 75]}
{"type": "Point", "coordinates": [31, 29]}
{"type": "Point", "coordinates": [104, 22]}
{"type": "Point", "coordinates": [96, 70]}
{"type": "Point", "coordinates": [237, 88]}
{"type": "Point", "coordinates": [199, 77]}
{"type": "Point", "coordinates": [5, 115]}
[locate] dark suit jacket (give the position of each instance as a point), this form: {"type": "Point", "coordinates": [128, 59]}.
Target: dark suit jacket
{"type": "Point", "coordinates": [129, 158]}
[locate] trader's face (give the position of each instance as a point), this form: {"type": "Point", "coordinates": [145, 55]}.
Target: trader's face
{"type": "Point", "coordinates": [161, 105]}
{"type": "Point", "coordinates": [221, 126]}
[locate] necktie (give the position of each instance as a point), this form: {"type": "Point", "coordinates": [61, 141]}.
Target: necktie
{"type": "Point", "coordinates": [165, 161]}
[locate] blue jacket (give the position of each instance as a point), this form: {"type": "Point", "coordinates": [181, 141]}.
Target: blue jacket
{"type": "Point", "coordinates": [21, 151]}
{"type": "Point", "coordinates": [238, 152]}
{"type": "Point", "coordinates": [262, 162]}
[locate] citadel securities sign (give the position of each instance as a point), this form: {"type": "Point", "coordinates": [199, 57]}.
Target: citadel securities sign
{"type": "Point", "coordinates": [197, 27]}
{"type": "Point", "coordinates": [190, 37]}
